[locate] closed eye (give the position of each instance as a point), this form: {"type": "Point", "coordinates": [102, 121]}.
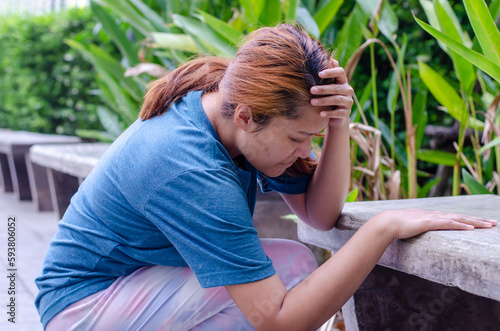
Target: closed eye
{"type": "Point", "coordinates": [297, 140]}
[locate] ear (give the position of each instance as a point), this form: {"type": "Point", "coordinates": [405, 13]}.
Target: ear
{"type": "Point", "coordinates": [243, 117]}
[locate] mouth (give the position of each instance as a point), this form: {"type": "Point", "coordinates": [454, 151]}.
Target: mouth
{"type": "Point", "coordinates": [288, 164]}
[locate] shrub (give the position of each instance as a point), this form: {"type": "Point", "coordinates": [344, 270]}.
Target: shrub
{"type": "Point", "coordinates": [45, 86]}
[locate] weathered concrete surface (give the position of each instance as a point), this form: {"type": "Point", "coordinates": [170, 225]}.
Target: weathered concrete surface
{"type": "Point", "coordinates": [469, 260]}
{"type": "Point", "coordinates": [440, 280]}
{"type": "Point", "coordinates": [56, 171]}
{"type": "Point", "coordinates": [33, 231]}
{"type": "Point", "coordinates": [393, 300]}
{"type": "Point", "coordinates": [76, 160]}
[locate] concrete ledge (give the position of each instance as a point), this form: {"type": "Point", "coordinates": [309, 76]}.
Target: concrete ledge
{"type": "Point", "coordinates": [469, 260]}
{"type": "Point", "coordinates": [14, 146]}
{"type": "Point", "coordinates": [73, 159]}
{"type": "Point", "coordinates": [58, 169]}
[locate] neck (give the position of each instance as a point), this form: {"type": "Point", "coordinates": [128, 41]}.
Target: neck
{"type": "Point", "coordinates": [224, 126]}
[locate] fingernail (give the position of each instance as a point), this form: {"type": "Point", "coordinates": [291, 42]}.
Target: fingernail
{"type": "Point", "coordinates": [315, 101]}
{"type": "Point", "coordinates": [314, 90]}
{"type": "Point", "coordinates": [322, 74]}
{"type": "Point", "coordinates": [323, 114]}
{"type": "Point", "coordinates": [495, 222]}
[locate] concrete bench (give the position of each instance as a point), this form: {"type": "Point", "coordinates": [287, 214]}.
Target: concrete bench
{"type": "Point", "coordinates": [14, 147]}
{"type": "Point", "coordinates": [440, 280]}
{"type": "Point", "coordinates": [59, 169]}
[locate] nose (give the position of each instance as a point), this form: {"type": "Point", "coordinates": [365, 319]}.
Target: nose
{"type": "Point", "coordinates": [303, 150]}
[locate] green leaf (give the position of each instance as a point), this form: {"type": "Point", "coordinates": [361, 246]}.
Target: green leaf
{"type": "Point", "coordinates": [151, 15]}
{"type": "Point", "coordinates": [449, 24]}
{"type": "Point", "coordinates": [110, 121]}
{"type": "Point", "coordinates": [350, 36]}
{"type": "Point", "coordinates": [484, 28]}
{"type": "Point", "coordinates": [307, 21]}
{"type": "Point", "coordinates": [430, 12]}
{"type": "Point", "coordinates": [445, 8]}
{"type": "Point", "coordinates": [352, 196]}
{"type": "Point", "coordinates": [290, 8]}
{"type": "Point", "coordinates": [127, 49]}
{"type": "Point", "coordinates": [124, 107]}
{"type": "Point", "coordinates": [271, 13]}
{"type": "Point", "coordinates": [227, 31]}
{"type": "Point", "coordinates": [94, 134]}
{"type": "Point", "coordinates": [474, 186]}
{"type": "Point", "coordinates": [443, 92]}
{"type": "Point", "coordinates": [436, 157]}
{"type": "Point", "coordinates": [475, 58]}
{"type": "Point", "coordinates": [207, 37]}
{"type": "Point", "coordinates": [177, 41]}
{"type": "Point", "coordinates": [258, 6]}
{"type": "Point", "coordinates": [489, 145]}
{"type": "Point", "coordinates": [387, 21]}
{"type": "Point", "coordinates": [326, 14]}
{"type": "Point", "coordinates": [424, 191]}
{"type": "Point", "coordinates": [494, 9]}
{"type": "Point", "coordinates": [399, 148]}
{"type": "Point", "coordinates": [419, 115]}
{"type": "Point", "coordinates": [392, 93]}
{"type": "Point", "coordinates": [110, 65]}
{"type": "Point", "coordinates": [291, 217]}
{"type": "Point", "coordinates": [127, 12]}
{"type": "Point", "coordinates": [103, 62]}
{"type": "Point", "coordinates": [250, 14]}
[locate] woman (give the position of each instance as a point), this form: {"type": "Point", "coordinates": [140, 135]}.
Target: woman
{"type": "Point", "coordinates": [160, 235]}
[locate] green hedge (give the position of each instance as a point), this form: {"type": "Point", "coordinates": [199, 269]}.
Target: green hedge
{"type": "Point", "coordinates": [44, 85]}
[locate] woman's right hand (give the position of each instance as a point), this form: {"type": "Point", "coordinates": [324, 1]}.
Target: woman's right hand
{"type": "Point", "coordinates": [405, 223]}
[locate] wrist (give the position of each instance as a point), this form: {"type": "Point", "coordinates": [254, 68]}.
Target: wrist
{"type": "Point", "coordinates": [384, 225]}
{"type": "Point", "coordinates": [339, 122]}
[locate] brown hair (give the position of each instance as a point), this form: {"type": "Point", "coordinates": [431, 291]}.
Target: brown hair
{"type": "Point", "coordinates": [272, 74]}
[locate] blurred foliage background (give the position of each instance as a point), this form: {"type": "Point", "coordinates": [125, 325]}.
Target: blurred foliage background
{"type": "Point", "coordinates": [45, 86]}
{"type": "Point", "coordinates": [425, 121]}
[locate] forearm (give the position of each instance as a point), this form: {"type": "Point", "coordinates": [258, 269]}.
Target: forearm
{"type": "Point", "coordinates": [324, 292]}
{"type": "Point", "coordinates": [328, 188]}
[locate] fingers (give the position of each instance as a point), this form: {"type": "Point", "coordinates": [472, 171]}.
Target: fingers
{"type": "Point", "coordinates": [338, 95]}
{"type": "Point", "coordinates": [475, 222]}
{"type": "Point", "coordinates": [336, 73]}
{"type": "Point", "coordinates": [460, 221]}
{"type": "Point", "coordinates": [337, 113]}
{"type": "Point", "coordinates": [338, 101]}
{"type": "Point", "coordinates": [343, 89]}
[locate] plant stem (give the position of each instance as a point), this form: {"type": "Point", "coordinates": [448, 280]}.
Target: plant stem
{"type": "Point", "coordinates": [374, 84]}
{"type": "Point", "coordinates": [497, 157]}
{"type": "Point", "coordinates": [410, 141]}
{"type": "Point", "coordinates": [393, 121]}
{"type": "Point", "coordinates": [475, 145]}
{"type": "Point", "coordinates": [456, 167]}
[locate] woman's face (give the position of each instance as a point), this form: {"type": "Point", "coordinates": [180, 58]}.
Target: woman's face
{"type": "Point", "coordinates": [279, 144]}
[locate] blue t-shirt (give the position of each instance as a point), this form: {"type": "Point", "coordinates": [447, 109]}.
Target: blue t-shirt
{"type": "Point", "coordinates": [165, 193]}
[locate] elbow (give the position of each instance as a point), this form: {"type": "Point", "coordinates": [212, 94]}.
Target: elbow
{"type": "Point", "coordinates": [321, 224]}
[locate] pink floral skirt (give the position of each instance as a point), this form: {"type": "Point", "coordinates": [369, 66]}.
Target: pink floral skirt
{"type": "Point", "coordinates": [170, 298]}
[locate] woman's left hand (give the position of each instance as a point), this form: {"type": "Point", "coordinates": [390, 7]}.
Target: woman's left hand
{"type": "Point", "coordinates": [337, 95]}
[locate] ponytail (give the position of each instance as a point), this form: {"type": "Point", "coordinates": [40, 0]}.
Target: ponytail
{"type": "Point", "coordinates": [200, 74]}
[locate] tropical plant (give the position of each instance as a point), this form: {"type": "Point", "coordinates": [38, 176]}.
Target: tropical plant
{"type": "Point", "coordinates": [462, 100]}
{"type": "Point", "coordinates": [152, 35]}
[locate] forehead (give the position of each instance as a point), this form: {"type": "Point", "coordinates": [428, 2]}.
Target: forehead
{"type": "Point", "coordinates": [308, 120]}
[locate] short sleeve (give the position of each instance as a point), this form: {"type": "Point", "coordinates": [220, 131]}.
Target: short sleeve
{"type": "Point", "coordinates": [285, 183]}
{"type": "Point", "coordinates": [206, 217]}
